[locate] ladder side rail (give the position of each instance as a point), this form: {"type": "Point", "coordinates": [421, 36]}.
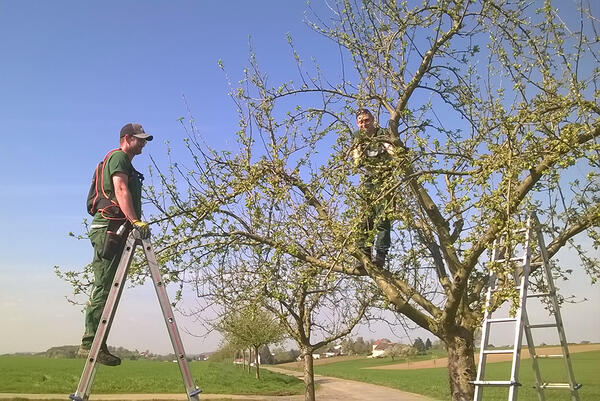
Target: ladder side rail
{"type": "Point", "coordinates": [485, 331]}
{"type": "Point", "coordinates": [191, 390]}
{"type": "Point", "coordinates": [521, 311]}
{"type": "Point", "coordinates": [108, 313]}
{"type": "Point", "coordinates": [556, 311]}
{"type": "Point", "coordinates": [485, 335]}
{"type": "Point", "coordinates": [534, 359]}
{"type": "Point", "coordinates": [517, 342]}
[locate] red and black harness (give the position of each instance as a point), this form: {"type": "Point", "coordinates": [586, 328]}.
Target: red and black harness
{"type": "Point", "coordinates": [98, 200]}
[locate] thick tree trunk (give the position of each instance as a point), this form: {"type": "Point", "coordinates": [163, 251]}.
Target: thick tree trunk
{"type": "Point", "coordinates": [309, 376]}
{"type": "Point", "coordinates": [461, 363]}
{"type": "Point", "coordinates": [256, 363]}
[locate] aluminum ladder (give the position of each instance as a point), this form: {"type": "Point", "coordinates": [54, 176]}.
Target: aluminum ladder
{"type": "Point", "coordinates": [521, 268]}
{"type": "Point", "coordinates": [108, 313]}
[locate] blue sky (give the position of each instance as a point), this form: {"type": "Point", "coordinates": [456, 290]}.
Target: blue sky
{"type": "Point", "coordinates": [71, 74]}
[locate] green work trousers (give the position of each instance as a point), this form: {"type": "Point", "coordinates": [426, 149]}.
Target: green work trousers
{"type": "Point", "coordinates": [375, 223]}
{"type": "Point", "coordinates": [104, 273]}
{"type": "Point", "coordinates": [382, 228]}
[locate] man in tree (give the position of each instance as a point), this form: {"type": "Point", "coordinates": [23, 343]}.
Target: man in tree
{"type": "Point", "coordinates": [371, 152]}
{"type": "Point", "coordinates": [121, 186]}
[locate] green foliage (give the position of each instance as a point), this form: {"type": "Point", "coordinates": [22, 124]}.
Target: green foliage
{"type": "Point", "coordinates": [419, 345]}
{"type": "Point", "coordinates": [225, 353]}
{"type": "Point", "coordinates": [283, 356]}
{"type": "Point", "coordinates": [250, 326]}
{"type": "Point", "coordinates": [477, 145]}
{"type": "Point", "coordinates": [359, 346]}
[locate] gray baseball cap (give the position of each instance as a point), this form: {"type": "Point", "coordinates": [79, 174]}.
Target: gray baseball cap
{"type": "Point", "coordinates": [134, 129]}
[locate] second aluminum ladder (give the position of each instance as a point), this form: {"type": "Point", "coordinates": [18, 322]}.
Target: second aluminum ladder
{"type": "Point", "coordinates": [532, 237]}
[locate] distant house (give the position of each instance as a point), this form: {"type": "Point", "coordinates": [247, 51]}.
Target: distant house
{"type": "Point", "coordinates": [332, 351]}
{"type": "Point", "coordinates": [145, 354]}
{"type": "Point", "coordinates": [328, 353]}
{"type": "Point", "coordinates": [314, 356]}
{"type": "Point", "coordinates": [380, 346]}
{"type": "Point", "coordinates": [241, 361]}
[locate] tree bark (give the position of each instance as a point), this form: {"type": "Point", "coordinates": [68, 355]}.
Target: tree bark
{"type": "Point", "coordinates": [256, 363]}
{"type": "Point", "coordinates": [309, 376]}
{"type": "Point", "coordinates": [461, 363]}
{"type": "Point", "coordinates": [249, 359]}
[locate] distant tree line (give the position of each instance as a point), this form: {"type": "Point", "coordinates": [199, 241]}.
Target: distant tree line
{"type": "Point", "coordinates": [357, 347]}
{"type": "Point", "coordinates": [70, 351]}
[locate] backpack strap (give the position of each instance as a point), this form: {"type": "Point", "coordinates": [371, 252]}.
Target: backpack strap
{"type": "Point", "coordinates": [101, 183]}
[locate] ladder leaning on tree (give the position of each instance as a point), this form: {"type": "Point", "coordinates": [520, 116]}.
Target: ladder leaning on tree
{"type": "Point", "coordinates": [520, 268]}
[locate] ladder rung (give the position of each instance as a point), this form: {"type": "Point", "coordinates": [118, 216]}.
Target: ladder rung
{"type": "Point", "coordinates": [497, 383]}
{"type": "Point", "coordinates": [559, 385]}
{"type": "Point", "coordinates": [538, 295]}
{"type": "Point", "coordinates": [515, 259]}
{"type": "Point", "coordinates": [502, 320]}
{"type": "Point", "coordinates": [498, 351]}
{"type": "Point", "coordinates": [550, 356]}
{"type": "Point", "coordinates": [536, 264]}
{"type": "Point", "coordinates": [516, 287]}
{"type": "Point", "coordinates": [539, 326]}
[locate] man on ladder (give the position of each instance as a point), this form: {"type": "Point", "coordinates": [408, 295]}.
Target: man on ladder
{"type": "Point", "coordinates": [115, 201]}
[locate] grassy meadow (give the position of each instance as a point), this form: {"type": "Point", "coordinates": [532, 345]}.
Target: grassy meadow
{"type": "Point", "coordinates": [60, 376]}
{"type": "Point", "coordinates": [41, 375]}
{"type": "Point", "coordinates": [434, 382]}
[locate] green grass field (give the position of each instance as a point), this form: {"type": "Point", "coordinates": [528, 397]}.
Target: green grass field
{"type": "Point", "coordinates": [61, 376]}
{"type": "Point", "coordinates": [434, 382]}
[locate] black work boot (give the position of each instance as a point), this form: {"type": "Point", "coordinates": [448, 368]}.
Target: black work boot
{"type": "Point", "coordinates": [106, 358]}
{"type": "Point", "coordinates": [379, 259]}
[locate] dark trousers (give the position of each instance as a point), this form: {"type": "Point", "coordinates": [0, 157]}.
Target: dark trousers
{"type": "Point", "coordinates": [381, 227]}
{"type": "Point", "coordinates": [376, 227]}
{"type": "Point", "coordinates": [104, 273]}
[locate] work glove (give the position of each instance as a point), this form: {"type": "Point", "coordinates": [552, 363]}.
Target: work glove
{"type": "Point", "coordinates": [142, 228]}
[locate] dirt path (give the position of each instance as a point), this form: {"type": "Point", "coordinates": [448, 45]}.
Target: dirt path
{"type": "Point", "coordinates": [145, 397]}
{"type": "Point", "coordinates": [334, 389]}
{"type": "Point", "coordinates": [348, 390]}
{"type": "Point", "coordinates": [329, 389]}
{"type": "Point", "coordinates": [443, 362]}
